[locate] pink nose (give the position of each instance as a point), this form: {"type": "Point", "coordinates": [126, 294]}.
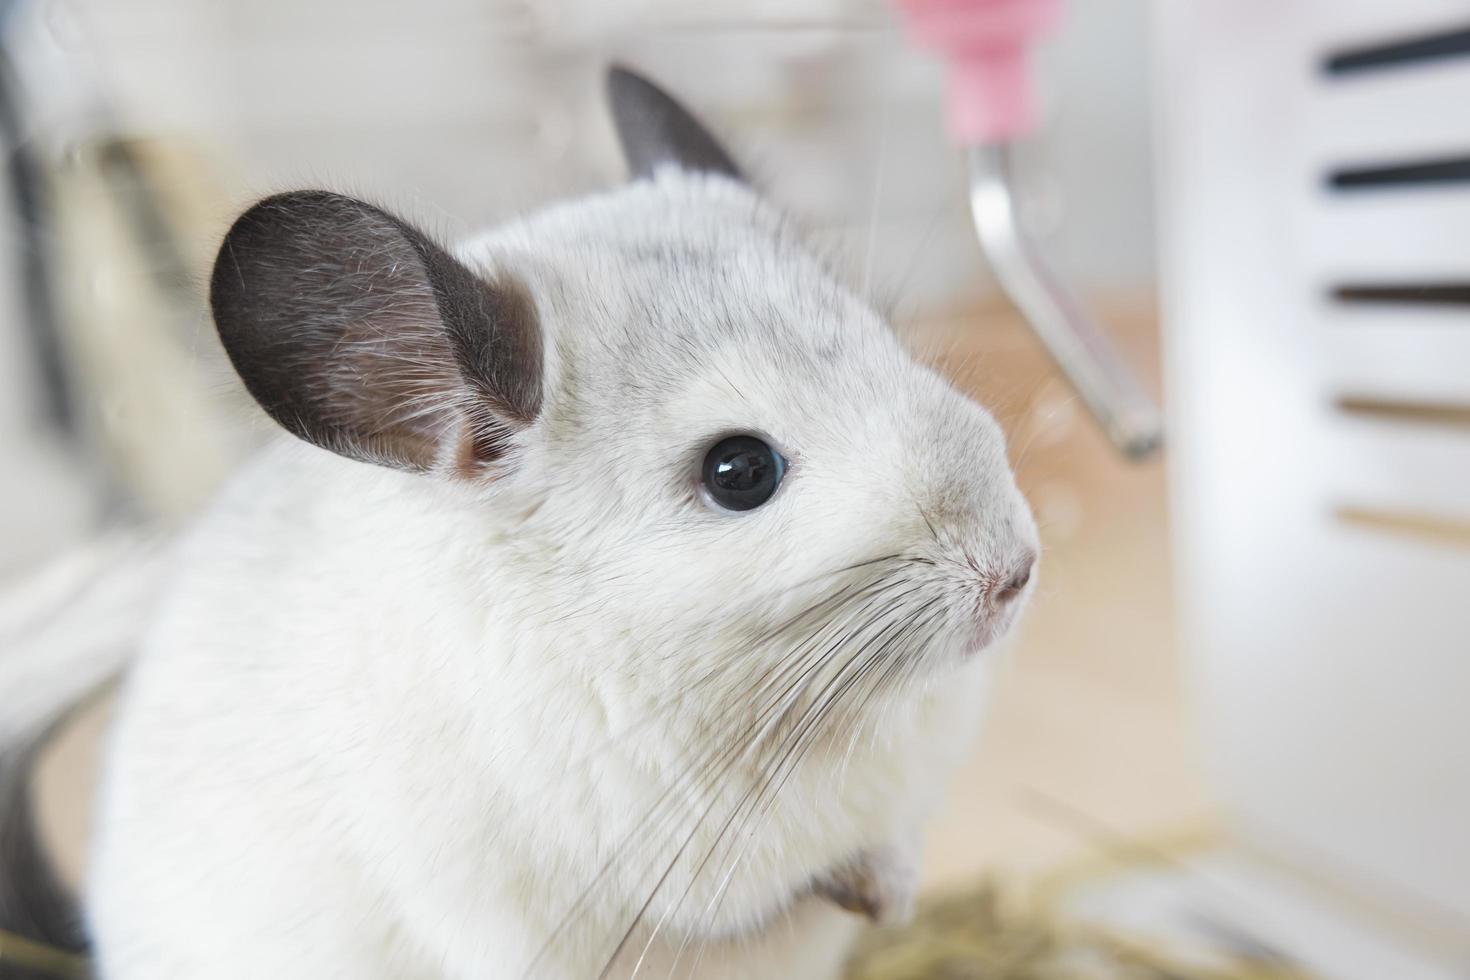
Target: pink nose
{"type": "Point", "coordinates": [1016, 584]}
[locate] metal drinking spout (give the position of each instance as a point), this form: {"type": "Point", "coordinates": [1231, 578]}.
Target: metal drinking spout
{"type": "Point", "coordinates": [1075, 340]}
{"type": "Point", "coordinates": [985, 45]}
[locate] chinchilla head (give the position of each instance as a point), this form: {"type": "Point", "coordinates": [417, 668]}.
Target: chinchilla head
{"type": "Point", "coordinates": [703, 461]}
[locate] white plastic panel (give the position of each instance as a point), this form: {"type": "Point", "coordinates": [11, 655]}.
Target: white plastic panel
{"type": "Point", "coordinates": [1388, 234]}
{"type": "Point", "coordinates": [1331, 657]}
{"type": "Point", "coordinates": [1403, 110]}
{"type": "Point", "coordinates": [1378, 351]}
{"type": "Point", "coordinates": [1400, 467]}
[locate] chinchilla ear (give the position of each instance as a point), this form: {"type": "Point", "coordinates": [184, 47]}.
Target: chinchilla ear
{"type": "Point", "coordinates": [360, 334]}
{"type": "Point", "coordinates": [655, 129]}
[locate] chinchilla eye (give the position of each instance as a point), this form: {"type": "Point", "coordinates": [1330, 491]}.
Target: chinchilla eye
{"type": "Point", "coordinates": [742, 472]}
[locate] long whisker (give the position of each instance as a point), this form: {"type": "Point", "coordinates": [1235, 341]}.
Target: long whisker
{"type": "Point", "coordinates": [807, 733]}
{"type": "Point", "coordinates": [817, 662]}
{"type": "Point", "coordinates": [774, 774]}
{"type": "Point", "coordinates": [677, 694]}
{"type": "Point", "coordinates": [874, 208]}
{"type": "Point", "coordinates": [864, 621]}
{"type": "Point", "coordinates": [673, 863]}
{"type": "Point", "coordinates": [771, 786]}
{"type": "Point", "coordinates": [897, 665]}
{"type": "Point", "coordinates": [721, 759]}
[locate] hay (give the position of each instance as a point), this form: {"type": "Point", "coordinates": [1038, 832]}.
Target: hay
{"type": "Point", "coordinates": [21, 957]}
{"type": "Point", "coordinates": [976, 935]}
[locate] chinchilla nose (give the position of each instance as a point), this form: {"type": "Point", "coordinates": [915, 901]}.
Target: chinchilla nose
{"type": "Point", "coordinates": [1014, 580]}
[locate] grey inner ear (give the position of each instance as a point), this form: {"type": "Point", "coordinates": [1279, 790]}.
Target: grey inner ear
{"type": "Point", "coordinates": [655, 129]}
{"type": "Point", "coordinates": [357, 332]}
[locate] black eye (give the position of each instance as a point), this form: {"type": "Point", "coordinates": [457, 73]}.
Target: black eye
{"type": "Point", "coordinates": [742, 472]}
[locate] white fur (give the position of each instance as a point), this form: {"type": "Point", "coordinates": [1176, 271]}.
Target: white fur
{"type": "Point", "coordinates": [394, 725]}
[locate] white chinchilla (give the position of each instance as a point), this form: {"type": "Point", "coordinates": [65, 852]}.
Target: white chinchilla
{"type": "Point", "coordinates": [621, 611]}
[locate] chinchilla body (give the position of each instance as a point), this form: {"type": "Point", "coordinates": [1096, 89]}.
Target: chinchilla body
{"type": "Point", "coordinates": [621, 610]}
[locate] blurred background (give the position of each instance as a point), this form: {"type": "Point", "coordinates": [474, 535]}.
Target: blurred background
{"type": "Point", "coordinates": [1232, 729]}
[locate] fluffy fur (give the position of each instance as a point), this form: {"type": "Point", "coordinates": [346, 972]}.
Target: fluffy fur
{"type": "Point", "coordinates": [567, 719]}
{"type": "Point", "coordinates": [391, 725]}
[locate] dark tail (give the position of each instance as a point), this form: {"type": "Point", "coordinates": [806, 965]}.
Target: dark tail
{"type": "Point", "coordinates": [41, 934]}
{"type": "Point", "coordinates": [63, 635]}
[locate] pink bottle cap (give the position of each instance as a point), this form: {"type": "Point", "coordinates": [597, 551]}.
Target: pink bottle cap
{"type": "Point", "coordinates": [986, 44]}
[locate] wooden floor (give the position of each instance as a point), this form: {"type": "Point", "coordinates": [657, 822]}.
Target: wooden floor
{"type": "Point", "coordinates": [1088, 728]}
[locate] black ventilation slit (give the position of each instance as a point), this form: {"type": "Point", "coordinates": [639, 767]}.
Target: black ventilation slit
{"type": "Point", "coordinates": [1409, 293]}
{"type": "Point", "coordinates": [1448, 170]}
{"type": "Point", "coordinates": [1453, 43]}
